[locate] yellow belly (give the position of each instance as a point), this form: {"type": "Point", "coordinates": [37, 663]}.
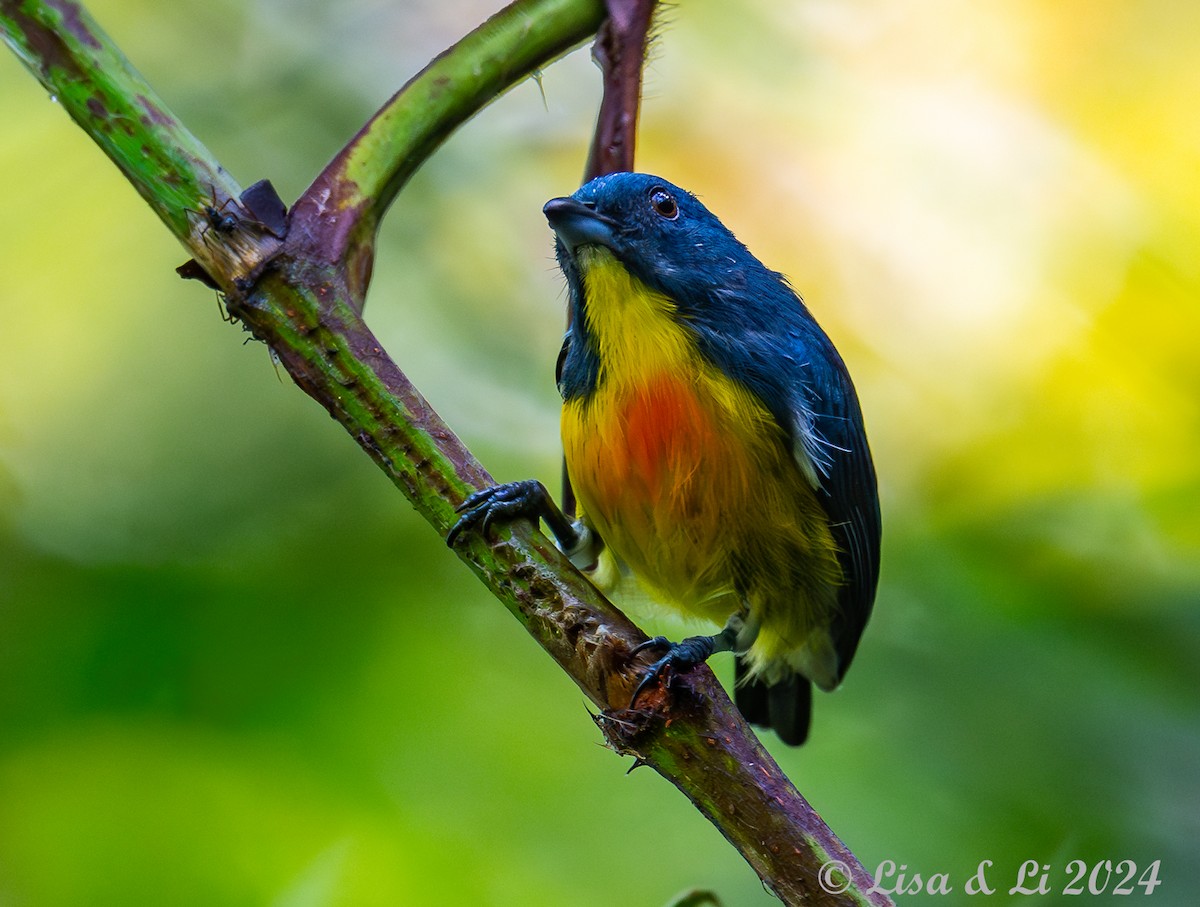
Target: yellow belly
{"type": "Point", "coordinates": [691, 482]}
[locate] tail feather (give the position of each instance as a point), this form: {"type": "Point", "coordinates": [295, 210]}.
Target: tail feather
{"type": "Point", "coordinates": [750, 696]}
{"type": "Point", "coordinates": [786, 706]}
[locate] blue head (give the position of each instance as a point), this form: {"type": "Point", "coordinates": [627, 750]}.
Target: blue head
{"type": "Point", "coordinates": [667, 239]}
{"type": "Point", "coordinates": [743, 316]}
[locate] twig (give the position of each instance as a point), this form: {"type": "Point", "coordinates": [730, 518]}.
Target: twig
{"type": "Point", "coordinates": [620, 49]}
{"type": "Point", "coordinates": [335, 220]}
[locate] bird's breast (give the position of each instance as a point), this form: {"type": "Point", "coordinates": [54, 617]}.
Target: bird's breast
{"type": "Point", "coordinates": [677, 471]}
{"type": "Point", "coordinates": [640, 444]}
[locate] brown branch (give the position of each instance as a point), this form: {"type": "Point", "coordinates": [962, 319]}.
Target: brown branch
{"type": "Point", "coordinates": [620, 49]}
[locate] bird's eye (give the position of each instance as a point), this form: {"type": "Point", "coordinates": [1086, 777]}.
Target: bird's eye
{"type": "Point", "coordinates": [663, 203]}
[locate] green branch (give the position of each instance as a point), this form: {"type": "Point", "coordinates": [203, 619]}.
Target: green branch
{"type": "Point", "coordinates": [337, 216]}
{"type": "Point", "coordinates": [505, 49]}
{"type": "Point", "coordinates": [95, 84]}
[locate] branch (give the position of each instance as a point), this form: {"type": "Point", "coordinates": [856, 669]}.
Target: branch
{"type": "Point", "coordinates": [620, 49]}
{"type": "Point", "coordinates": [336, 218]}
{"type": "Point", "coordinates": [291, 295]}
{"type": "Point", "coordinates": [91, 79]}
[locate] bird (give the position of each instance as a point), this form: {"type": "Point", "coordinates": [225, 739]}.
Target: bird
{"type": "Point", "coordinates": [715, 444]}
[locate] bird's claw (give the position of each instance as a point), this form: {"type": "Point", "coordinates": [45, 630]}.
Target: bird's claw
{"type": "Point", "coordinates": [505, 502]}
{"type": "Point", "coordinates": [657, 642]}
{"type": "Point", "coordinates": [680, 656]}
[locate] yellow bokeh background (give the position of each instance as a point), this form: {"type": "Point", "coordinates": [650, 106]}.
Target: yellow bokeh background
{"type": "Point", "coordinates": [236, 668]}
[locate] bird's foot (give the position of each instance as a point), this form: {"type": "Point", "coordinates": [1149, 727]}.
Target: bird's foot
{"type": "Point", "coordinates": [515, 500]}
{"type": "Point", "coordinates": [680, 656]}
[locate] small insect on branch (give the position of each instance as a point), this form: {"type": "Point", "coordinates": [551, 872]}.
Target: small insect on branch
{"type": "Point", "coordinates": [259, 208]}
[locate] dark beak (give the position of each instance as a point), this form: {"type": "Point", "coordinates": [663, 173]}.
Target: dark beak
{"type": "Point", "coordinates": [578, 225]}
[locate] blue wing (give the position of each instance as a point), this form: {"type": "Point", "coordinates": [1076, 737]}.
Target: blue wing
{"type": "Point", "coordinates": [828, 423]}
{"type": "Point", "coordinates": [784, 357]}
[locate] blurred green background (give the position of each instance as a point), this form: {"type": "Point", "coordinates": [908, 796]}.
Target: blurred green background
{"type": "Point", "coordinates": [236, 668]}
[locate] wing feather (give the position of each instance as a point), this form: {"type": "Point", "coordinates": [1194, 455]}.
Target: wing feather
{"type": "Point", "coordinates": [784, 357]}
